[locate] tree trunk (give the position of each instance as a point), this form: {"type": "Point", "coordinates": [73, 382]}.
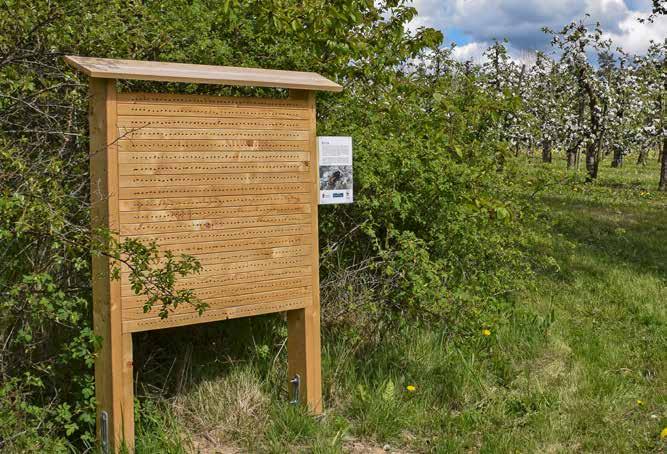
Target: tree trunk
{"type": "Point", "coordinates": [571, 159]}
{"type": "Point", "coordinates": [546, 151]}
{"type": "Point", "coordinates": [592, 163]}
{"type": "Point", "coordinates": [662, 186]}
{"type": "Point", "coordinates": [663, 167]}
{"type": "Point", "coordinates": [618, 157]}
{"type": "Point", "coordinates": [643, 156]}
{"type": "Point", "coordinates": [530, 147]}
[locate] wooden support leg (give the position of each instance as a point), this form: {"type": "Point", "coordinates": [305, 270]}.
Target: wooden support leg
{"type": "Point", "coordinates": [115, 396]}
{"type": "Point", "coordinates": [113, 363]}
{"type": "Point", "coordinates": [127, 399]}
{"type": "Point", "coordinates": [303, 355]}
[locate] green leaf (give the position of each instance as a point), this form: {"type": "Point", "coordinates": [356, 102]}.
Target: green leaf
{"type": "Point", "coordinates": [389, 392]}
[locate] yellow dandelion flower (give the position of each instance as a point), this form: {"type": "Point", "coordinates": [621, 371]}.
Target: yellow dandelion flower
{"type": "Point", "coordinates": [663, 434]}
{"type": "Point", "coordinates": [411, 388]}
{"type": "Point", "coordinates": [640, 402]}
{"type": "Point", "coordinates": [486, 332]}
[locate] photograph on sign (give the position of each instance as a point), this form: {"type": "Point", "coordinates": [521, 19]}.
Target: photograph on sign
{"type": "Point", "coordinates": [335, 164]}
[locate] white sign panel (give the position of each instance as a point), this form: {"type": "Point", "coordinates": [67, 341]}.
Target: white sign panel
{"type": "Point", "coordinates": [335, 169]}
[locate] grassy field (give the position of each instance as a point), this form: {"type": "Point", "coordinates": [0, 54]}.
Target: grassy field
{"type": "Point", "coordinates": [577, 364]}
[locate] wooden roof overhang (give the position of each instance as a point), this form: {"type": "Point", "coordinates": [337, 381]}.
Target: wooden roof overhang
{"type": "Point", "coordinates": [107, 68]}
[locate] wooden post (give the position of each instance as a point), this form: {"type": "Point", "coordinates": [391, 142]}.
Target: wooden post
{"type": "Point", "coordinates": [303, 325]}
{"type": "Point", "coordinates": [127, 393]}
{"type": "Point", "coordinates": [113, 363]}
{"type": "Point", "coordinates": [303, 355]}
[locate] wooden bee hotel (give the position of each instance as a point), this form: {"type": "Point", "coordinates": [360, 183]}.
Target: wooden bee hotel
{"type": "Point", "coordinates": [231, 181]}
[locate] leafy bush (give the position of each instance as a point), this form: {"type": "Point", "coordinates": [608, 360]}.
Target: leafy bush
{"type": "Point", "coordinates": [436, 229]}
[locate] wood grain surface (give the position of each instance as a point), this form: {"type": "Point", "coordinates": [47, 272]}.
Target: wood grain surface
{"type": "Point", "coordinates": [229, 181]}
{"type": "Point", "coordinates": [107, 68]}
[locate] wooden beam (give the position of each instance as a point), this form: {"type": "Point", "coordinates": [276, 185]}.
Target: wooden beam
{"type": "Point", "coordinates": [303, 325]}
{"type": "Point", "coordinates": [303, 355]}
{"type": "Point", "coordinates": [127, 396]}
{"type": "Point", "coordinates": [109, 68]}
{"type": "Point", "coordinates": [111, 389]}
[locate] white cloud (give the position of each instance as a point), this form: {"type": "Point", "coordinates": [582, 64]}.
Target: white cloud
{"type": "Point", "coordinates": [634, 37]}
{"type": "Point", "coordinates": [472, 51]}
{"type": "Point", "coordinates": [521, 21]}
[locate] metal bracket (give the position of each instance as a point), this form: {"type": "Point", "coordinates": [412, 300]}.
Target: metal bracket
{"type": "Point", "coordinates": [296, 385]}
{"type": "Point", "coordinates": [104, 431]}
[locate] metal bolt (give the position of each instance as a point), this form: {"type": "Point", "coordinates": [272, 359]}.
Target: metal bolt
{"type": "Point", "coordinates": [104, 431]}
{"type": "Point", "coordinates": [296, 385]}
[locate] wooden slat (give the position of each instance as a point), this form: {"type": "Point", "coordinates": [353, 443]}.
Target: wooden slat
{"type": "Point", "coordinates": [137, 217]}
{"type": "Point", "coordinates": [230, 279]}
{"type": "Point", "coordinates": [108, 68]}
{"type": "Point", "coordinates": [242, 255]}
{"type": "Point", "coordinates": [155, 181]}
{"type": "Point", "coordinates": [180, 238]}
{"type": "Point", "coordinates": [209, 100]}
{"type": "Point", "coordinates": [194, 145]}
{"type": "Point", "coordinates": [213, 168]}
{"type": "Point", "coordinates": [211, 224]}
{"type": "Point", "coordinates": [205, 157]}
{"type": "Point", "coordinates": [238, 268]}
{"type": "Point", "coordinates": [212, 202]}
{"type": "Point", "coordinates": [205, 249]}
{"type": "Point", "coordinates": [180, 110]}
{"type": "Point", "coordinates": [136, 311]}
{"type": "Point", "coordinates": [232, 290]}
{"type": "Point", "coordinates": [211, 190]}
{"type": "Point", "coordinates": [210, 134]}
{"type": "Point", "coordinates": [143, 121]}
{"type": "Point", "coordinates": [215, 315]}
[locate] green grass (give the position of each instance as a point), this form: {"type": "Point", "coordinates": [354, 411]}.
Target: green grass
{"type": "Point", "coordinates": [577, 364]}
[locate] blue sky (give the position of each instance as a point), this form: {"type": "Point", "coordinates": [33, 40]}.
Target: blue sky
{"type": "Point", "coordinates": [473, 24]}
